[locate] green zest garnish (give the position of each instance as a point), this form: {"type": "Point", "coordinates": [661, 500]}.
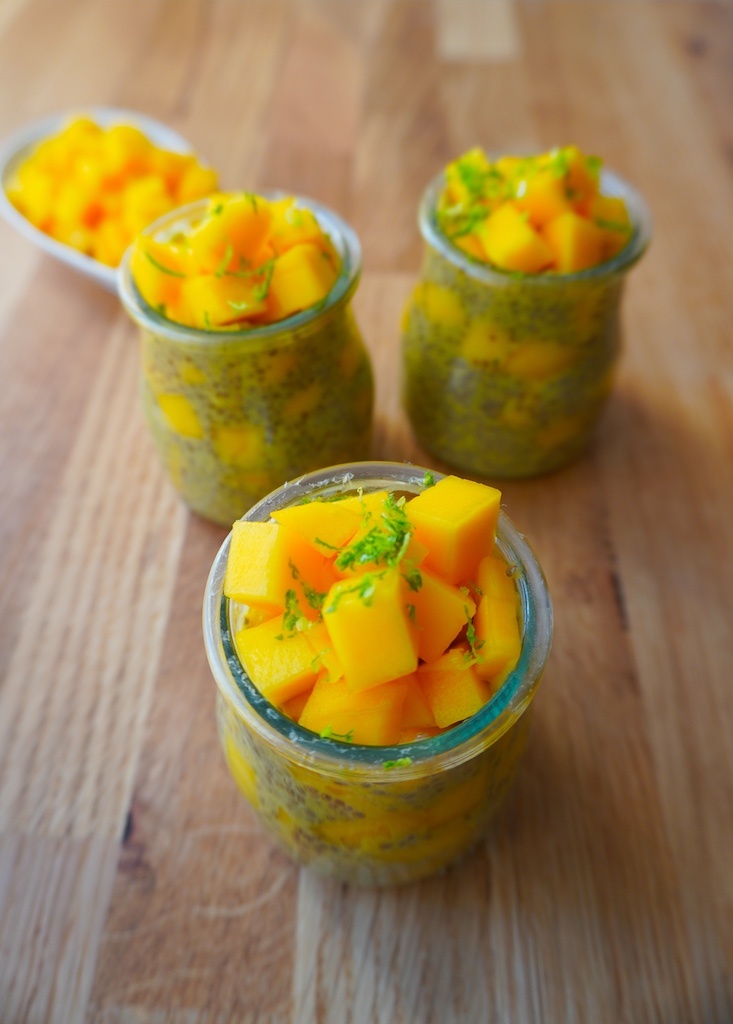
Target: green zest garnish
{"type": "Point", "coordinates": [262, 289]}
{"type": "Point", "coordinates": [161, 268]}
{"type": "Point", "coordinates": [474, 644]}
{"type": "Point", "coordinates": [413, 579]}
{"type": "Point", "coordinates": [225, 261]}
{"type": "Point", "coordinates": [613, 225]}
{"type": "Point", "coordinates": [329, 734]}
{"type": "Point", "coordinates": [364, 588]}
{"type": "Point", "coordinates": [428, 480]}
{"type": "Point", "coordinates": [401, 762]}
{"type": "Point", "coordinates": [385, 543]}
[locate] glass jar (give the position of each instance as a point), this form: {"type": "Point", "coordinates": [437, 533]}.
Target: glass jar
{"type": "Point", "coordinates": [505, 375]}
{"type": "Point", "coordinates": [233, 414]}
{"type": "Point", "coordinates": [364, 814]}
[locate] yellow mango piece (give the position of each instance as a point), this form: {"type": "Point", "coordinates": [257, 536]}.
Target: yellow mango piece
{"type": "Point", "coordinates": [304, 401]}
{"type": "Point", "coordinates": [497, 633]}
{"type": "Point", "coordinates": [292, 225]}
{"type": "Point", "coordinates": [369, 628]}
{"type": "Point", "coordinates": [484, 342]}
{"type": "Point", "coordinates": [441, 612]}
{"type": "Point", "coordinates": [216, 302]}
{"type": "Point", "coordinates": [452, 687]}
{"type": "Point", "coordinates": [157, 272]}
{"type": "Point", "coordinates": [171, 167]}
{"type": "Point", "coordinates": [609, 213]}
{"type": "Point", "coordinates": [575, 241]}
{"type": "Point", "coordinates": [33, 193]}
{"type": "Point", "coordinates": [372, 716]}
{"type": "Point", "coordinates": [265, 561]}
{"type": "Point", "coordinates": [324, 524]}
{"type": "Point", "coordinates": [293, 708]}
{"type": "Point", "coordinates": [543, 196]}
{"type": "Point", "coordinates": [369, 505]}
{"type": "Point", "coordinates": [416, 713]}
{"type": "Point", "coordinates": [278, 661]}
{"type": "Point", "coordinates": [537, 360]}
{"type": "Point", "coordinates": [471, 246]}
{"type": "Point", "coordinates": [464, 177]}
{"type": "Point", "coordinates": [242, 771]}
{"type": "Point", "coordinates": [301, 277]}
{"type": "Point", "coordinates": [125, 150]}
{"type": "Point", "coordinates": [110, 241]}
{"type": "Point", "coordinates": [512, 243]}
{"type": "Point", "coordinates": [441, 305]}
{"type": "Point", "coordinates": [231, 235]}
{"type": "Point", "coordinates": [581, 173]}
{"type": "Point", "coordinates": [180, 415]}
{"type": "Point", "coordinates": [197, 182]}
{"type": "Point", "coordinates": [456, 520]}
{"type": "Point", "coordinates": [324, 652]}
{"type": "Point", "coordinates": [493, 579]}
{"type": "Point", "coordinates": [243, 445]}
{"type": "Point", "coordinates": [143, 201]}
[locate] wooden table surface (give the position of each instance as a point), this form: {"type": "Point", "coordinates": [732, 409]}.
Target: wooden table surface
{"type": "Point", "coordinates": [135, 884]}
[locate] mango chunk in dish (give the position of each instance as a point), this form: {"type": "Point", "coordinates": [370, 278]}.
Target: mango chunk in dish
{"type": "Point", "coordinates": [95, 188]}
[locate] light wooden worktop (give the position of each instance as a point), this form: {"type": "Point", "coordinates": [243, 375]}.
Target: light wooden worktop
{"type": "Point", "coordinates": [135, 884]}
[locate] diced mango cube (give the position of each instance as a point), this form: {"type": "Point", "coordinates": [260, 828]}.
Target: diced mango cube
{"type": "Point", "coordinates": [279, 662]}
{"type": "Point", "coordinates": [235, 228]}
{"type": "Point", "coordinates": [456, 520]}
{"type": "Point", "coordinates": [537, 360]}
{"type": "Point", "coordinates": [324, 652]}
{"type": "Point", "coordinates": [498, 642]}
{"type": "Point", "coordinates": [543, 196]}
{"type": "Point", "coordinates": [293, 225]}
{"type": "Point", "coordinates": [575, 241]}
{"type": "Point", "coordinates": [512, 243]}
{"type": "Point", "coordinates": [493, 579]}
{"type": "Point", "coordinates": [180, 415]}
{"type": "Point", "coordinates": [240, 445]}
{"type": "Point", "coordinates": [416, 713]}
{"type": "Point", "coordinates": [372, 716]}
{"type": "Point", "coordinates": [356, 614]}
{"type": "Point", "coordinates": [441, 612]}
{"type": "Point", "coordinates": [215, 302]}
{"type": "Point", "coordinates": [324, 524]}
{"type": "Point", "coordinates": [265, 561]}
{"type": "Point", "coordinates": [293, 708]}
{"type": "Point", "coordinates": [157, 272]}
{"type": "Point", "coordinates": [197, 181]}
{"type": "Point", "coordinates": [301, 277]}
{"type": "Point", "coordinates": [441, 305]}
{"type": "Point", "coordinates": [452, 687]}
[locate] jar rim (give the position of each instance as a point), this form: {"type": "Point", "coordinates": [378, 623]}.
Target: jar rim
{"type": "Point", "coordinates": [613, 185]}
{"type": "Point", "coordinates": [343, 236]}
{"type": "Point", "coordinates": [456, 745]}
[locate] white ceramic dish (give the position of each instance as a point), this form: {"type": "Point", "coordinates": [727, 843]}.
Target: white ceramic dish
{"type": "Point", "coordinates": [16, 148]}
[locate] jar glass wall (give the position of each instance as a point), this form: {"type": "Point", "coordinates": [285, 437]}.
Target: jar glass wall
{"type": "Point", "coordinates": [375, 815]}
{"type": "Point", "coordinates": [233, 414]}
{"type": "Point", "coordinates": [505, 375]}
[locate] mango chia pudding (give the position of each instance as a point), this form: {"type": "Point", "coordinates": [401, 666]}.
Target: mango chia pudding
{"type": "Point", "coordinates": [512, 335]}
{"type": "Point", "coordinates": [254, 369]}
{"type": "Point", "coordinates": [377, 635]}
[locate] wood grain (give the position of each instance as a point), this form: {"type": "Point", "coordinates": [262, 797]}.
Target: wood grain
{"type": "Point", "coordinates": [136, 886]}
